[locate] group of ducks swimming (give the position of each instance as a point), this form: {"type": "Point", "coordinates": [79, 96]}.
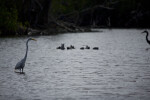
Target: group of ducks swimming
{"type": "Point", "coordinates": [62, 47]}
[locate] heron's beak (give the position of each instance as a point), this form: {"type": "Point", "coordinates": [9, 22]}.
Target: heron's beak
{"type": "Point", "coordinates": [34, 39]}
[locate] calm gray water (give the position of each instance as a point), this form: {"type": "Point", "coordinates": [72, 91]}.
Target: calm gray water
{"type": "Point", "coordinates": [119, 70]}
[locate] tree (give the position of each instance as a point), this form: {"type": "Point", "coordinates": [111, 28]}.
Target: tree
{"type": "Point", "coordinates": [8, 16]}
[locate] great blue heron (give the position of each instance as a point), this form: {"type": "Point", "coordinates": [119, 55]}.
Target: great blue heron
{"type": "Point", "coordinates": [147, 34]}
{"type": "Point", "coordinates": [20, 65]}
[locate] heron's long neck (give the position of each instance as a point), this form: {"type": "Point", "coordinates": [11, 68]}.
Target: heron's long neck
{"type": "Point", "coordinates": [147, 36]}
{"type": "Point", "coordinates": [26, 50]}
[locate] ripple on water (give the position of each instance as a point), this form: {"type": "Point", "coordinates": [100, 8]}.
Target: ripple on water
{"type": "Point", "coordinates": [118, 70]}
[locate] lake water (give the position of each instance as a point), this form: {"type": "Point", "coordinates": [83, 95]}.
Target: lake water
{"type": "Point", "coordinates": [119, 70]}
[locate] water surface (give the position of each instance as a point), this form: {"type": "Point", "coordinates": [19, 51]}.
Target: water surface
{"type": "Point", "coordinates": [119, 70]}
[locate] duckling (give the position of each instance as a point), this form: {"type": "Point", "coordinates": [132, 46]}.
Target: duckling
{"type": "Point", "coordinates": [72, 47]}
{"type": "Point", "coordinates": [58, 47]}
{"type": "Point", "coordinates": [62, 46]}
{"type": "Point", "coordinates": [87, 47]}
{"type": "Point", "coordinates": [82, 48]}
{"type": "Point", "coordinates": [95, 48]}
{"type": "Point", "coordinates": [68, 48]}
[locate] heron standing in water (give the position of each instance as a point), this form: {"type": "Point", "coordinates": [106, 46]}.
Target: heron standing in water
{"type": "Point", "coordinates": [20, 65]}
{"type": "Point", "coordinates": [147, 34]}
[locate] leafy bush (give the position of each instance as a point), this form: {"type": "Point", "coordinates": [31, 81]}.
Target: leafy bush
{"type": "Point", "coordinates": [60, 7]}
{"type": "Point", "coordinates": [8, 17]}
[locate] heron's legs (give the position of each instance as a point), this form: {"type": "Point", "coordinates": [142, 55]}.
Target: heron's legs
{"type": "Point", "coordinates": [21, 70]}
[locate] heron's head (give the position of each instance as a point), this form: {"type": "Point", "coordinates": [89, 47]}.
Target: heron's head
{"type": "Point", "coordinates": [145, 31]}
{"type": "Point", "coordinates": [32, 39]}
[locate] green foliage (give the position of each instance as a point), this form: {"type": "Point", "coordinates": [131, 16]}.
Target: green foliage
{"type": "Point", "coordinates": [60, 7]}
{"type": "Point", "coordinates": [8, 16]}
{"type": "Point", "coordinates": [11, 10]}
{"type": "Point", "coordinates": [66, 6]}
{"type": "Point", "coordinates": [26, 24]}
{"type": "Point", "coordinates": [126, 6]}
{"type": "Point", "coordinates": [8, 19]}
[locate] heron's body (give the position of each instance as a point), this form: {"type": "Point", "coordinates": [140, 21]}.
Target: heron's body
{"type": "Point", "coordinates": [20, 65]}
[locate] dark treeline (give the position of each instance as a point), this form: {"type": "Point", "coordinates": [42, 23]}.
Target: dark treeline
{"type": "Point", "coordinates": [22, 16]}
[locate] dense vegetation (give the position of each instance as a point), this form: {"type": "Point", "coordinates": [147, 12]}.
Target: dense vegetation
{"type": "Point", "coordinates": [15, 13]}
{"type": "Point", "coordinates": [8, 16]}
{"type": "Point", "coordinates": [125, 13]}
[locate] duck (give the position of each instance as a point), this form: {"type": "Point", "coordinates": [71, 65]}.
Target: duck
{"type": "Point", "coordinates": [62, 47]}
{"type": "Point", "coordinates": [82, 48]}
{"type": "Point", "coordinates": [87, 47]}
{"type": "Point", "coordinates": [58, 47]}
{"type": "Point", "coordinates": [95, 48]}
{"type": "Point", "coordinates": [71, 47]}
{"type": "Point", "coordinates": [68, 48]}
